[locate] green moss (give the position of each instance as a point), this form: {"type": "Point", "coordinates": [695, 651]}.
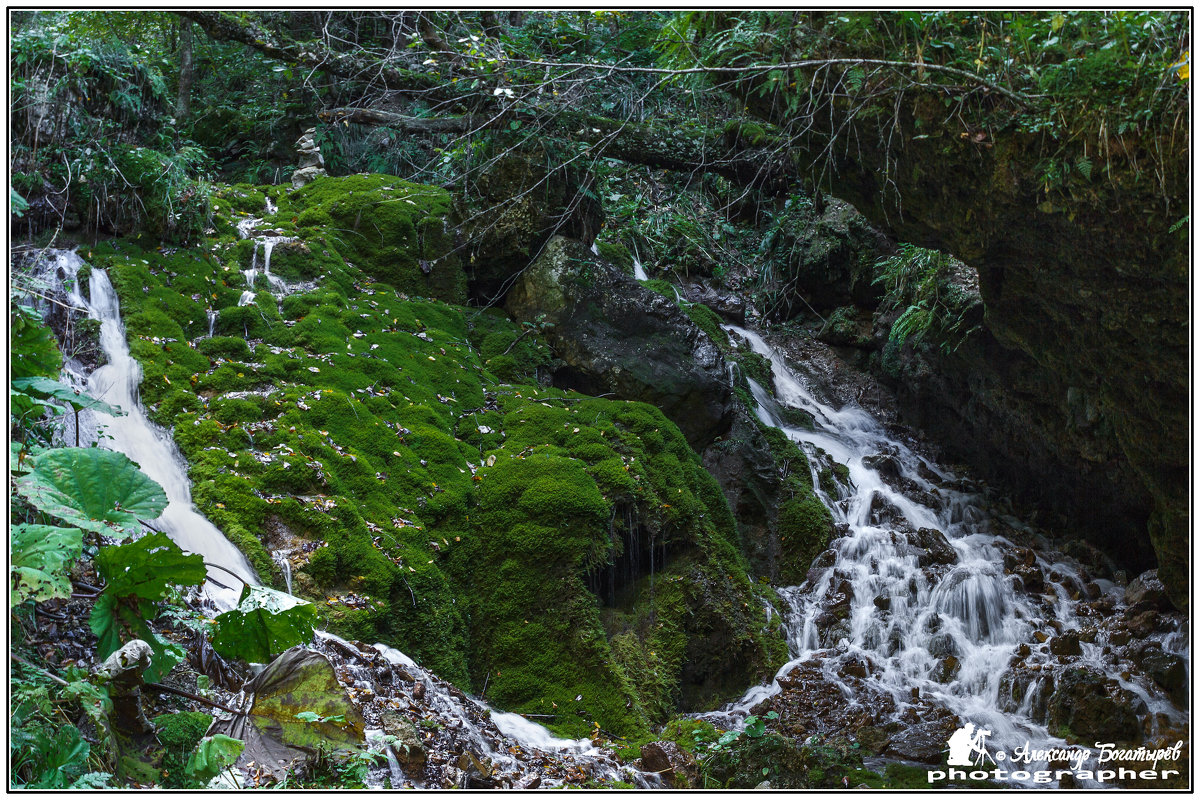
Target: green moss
{"type": "Point", "coordinates": [659, 286]}
{"type": "Point", "coordinates": [390, 228]}
{"type": "Point", "coordinates": [618, 254]}
{"type": "Point", "coordinates": [455, 509]}
{"type": "Point", "coordinates": [756, 366]}
{"type": "Point", "coordinates": [179, 733]}
{"type": "Point", "coordinates": [805, 526]}
{"type": "Point", "coordinates": [229, 347]}
{"type": "Point", "coordinates": [708, 321]}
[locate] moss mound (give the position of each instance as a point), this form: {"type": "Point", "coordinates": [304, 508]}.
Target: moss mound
{"type": "Point", "coordinates": [390, 228]}
{"type": "Point", "coordinates": [426, 490]}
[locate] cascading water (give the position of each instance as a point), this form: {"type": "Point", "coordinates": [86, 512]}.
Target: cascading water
{"type": "Point", "coordinates": [134, 435]}
{"type": "Point", "coordinates": [639, 272]}
{"type": "Point", "coordinates": [153, 449]}
{"type": "Point", "coordinates": [947, 634]}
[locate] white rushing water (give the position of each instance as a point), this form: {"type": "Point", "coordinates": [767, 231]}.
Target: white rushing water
{"type": "Point", "coordinates": [639, 272]}
{"type": "Point", "coordinates": [903, 619]}
{"type": "Point", "coordinates": [133, 434]}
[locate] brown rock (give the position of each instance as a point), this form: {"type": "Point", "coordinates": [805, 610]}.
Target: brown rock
{"type": "Point", "coordinates": [676, 766]}
{"type": "Point", "coordinates": [1143, 624]}
{"type": "Point", "coordinates": [1065, 645]}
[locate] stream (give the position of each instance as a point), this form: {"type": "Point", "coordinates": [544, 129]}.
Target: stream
{"type": "Point", "coordinates": [945, 632]}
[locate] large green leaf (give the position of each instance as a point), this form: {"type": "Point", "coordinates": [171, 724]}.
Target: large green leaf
{"type": "Point", "coordinates": [264, 623]}
{"type": "Point", "coordinates": [31, 345]}
{"type": "Point", "coordinates": [88, 487]}
{"type": "Point", "coordinates": [147, 567]}
{"type": "Point", "coordinates": [277, 738]}
{"type": "Point", "coordinates": [212, 755]}
{"type": "Point", "coordinates": [45, 388]}
{"type": "Point", "coordinates": [40, 557]}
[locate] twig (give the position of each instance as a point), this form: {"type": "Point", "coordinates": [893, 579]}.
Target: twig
{"type": "Point", "coordinates": [32, 666]}
{"type": "Point", "coordinates": [172, 690]}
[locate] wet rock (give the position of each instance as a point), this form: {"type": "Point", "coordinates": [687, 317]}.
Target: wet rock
{"type": "Point", "coordinates": [675, 766]}
{"type": "Point", "coordinates": [1090, 709]}
{"type": "Point", "coordinates": [407, 747]}
{"type": "Point", "coordinates": [924, 742]}
{"type": "Point", "coordinates": [825, 560]}
{"type": "Point", "coordinates": [1168, 670]}
{"type": "Point", "coordinates": [743, 465]}
{"type": "Point", "coordinates": [946, 670]}
{"type": "Point", "coordinates": [1146, 592]}
{"type": "Point", "coordinates": [528, 782]}
{"type": "Point", "coordinates": [475, 773]}
{"type": "Point", "coordinates": [729, 306]}
{"type": "Point", "coordinates": [942, 645]}
{"type": "Point", "coordinates": [873, 738]}
{"type": "Point", "coordinates": [1019, 557]}
{"type": "Point", "coordinates": [886, 465]}
{"type": "Point", "coordinates": [616, 337]}
{"type": "Point", "coordinates": [935, 548]}
{"type": "Point", "coordinates": [1143, 624]}
{"type": "Point", "coordinates": [1065, 645]}
{"type": "Point", "coordinates": [853, 669]}
{"type": "Point", "coordinates": [1021, 684]}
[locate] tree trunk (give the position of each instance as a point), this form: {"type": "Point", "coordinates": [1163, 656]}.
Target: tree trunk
{"type": "Point", "coordinates": [430, 34]}
{"type": "Point", "coordinates": [491, 24]}
{"type": "Point", "coordinates": [183, 102]}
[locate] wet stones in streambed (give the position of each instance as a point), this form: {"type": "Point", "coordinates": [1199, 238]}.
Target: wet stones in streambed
{"type": "Point", "coordinates": [824, 561]}
{"type": "Point", "coordinates": [1090, 706]}
{"type": "Point", "coordinates": [1025, 689]}
{"type": "Point", "coordinates": [1146, 592]}
{"type": "Point", "coordinates": [674, 765]}
{"type": "Point", "coordinates": [810, 703]}
{"type": "Point", "coordinates": [933, 548]}
{"type": "Point", "coordinates": [1167, 670]}
{"type": "Point", "coordinates": [440, 737]}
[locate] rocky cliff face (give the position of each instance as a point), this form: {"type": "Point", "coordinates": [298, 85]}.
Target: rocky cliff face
{"type": "Point", "coordinates": [1084, 370]}
{"type": "Point", "coordinates": [618, 338]}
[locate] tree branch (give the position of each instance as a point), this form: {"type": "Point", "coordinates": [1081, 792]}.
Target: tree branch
{"type": "Point", "coordinates": [370, 116]}
{"type": "Point", "coordinates": [222, 27]}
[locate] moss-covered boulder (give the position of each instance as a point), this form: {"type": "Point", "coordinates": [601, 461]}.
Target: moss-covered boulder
{"type": "Point", "coordinates": [393, 230]}
{"type": "Point", "coordinates": [618, 338]}
{"type": "Point", "coordinates": [427, 492]}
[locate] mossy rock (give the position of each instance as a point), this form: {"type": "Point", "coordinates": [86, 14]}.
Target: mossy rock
{"type": "Point", "coordinates": [392, 229]}
{"type": "Point", "coordinates": [448, 505]}
{"type": "Point", "coordinates": [805, 528]}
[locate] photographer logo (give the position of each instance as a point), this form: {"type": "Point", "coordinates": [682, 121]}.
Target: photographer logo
{"type": "Point", "coordinates": [1105, 763]}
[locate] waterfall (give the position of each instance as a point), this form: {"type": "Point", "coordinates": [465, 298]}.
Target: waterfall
{"type": "Point", "coordinates": [153, 449]}
{"type": "Point", "coordinates": [148, 445]}
{"type": "Point", "coordinates": [902, 618]}
{"type": "Point", "coordinates": [638, 271]}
